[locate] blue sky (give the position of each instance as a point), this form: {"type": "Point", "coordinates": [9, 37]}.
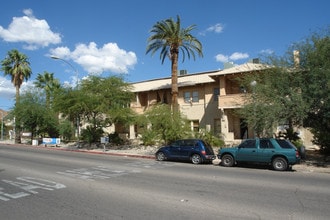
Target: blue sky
{"type": "Point", "coordinates": [108, 37]}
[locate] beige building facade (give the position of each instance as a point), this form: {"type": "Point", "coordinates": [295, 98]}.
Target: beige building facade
{"type": "Point", "coordinates": [209, 100]}
{"type": "Point", "coordinates": [197, 98]}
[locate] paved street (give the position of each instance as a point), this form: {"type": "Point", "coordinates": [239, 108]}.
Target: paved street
{"type": "Point", "coordinates": [40, 183]}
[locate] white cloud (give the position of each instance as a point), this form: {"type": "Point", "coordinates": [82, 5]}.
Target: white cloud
{"type": "Point", "coordinates": [233, 57]}
{"type": "Point", "coordinates": [217, 28]}
{"type": "Point", "coordinates": [109, 58]}
{"type": "Point", "coordinates": [7, 90]}
{"type": "Point", "coordinates": [61, 52]}
{"type": "Point", "coordinates": [221, 58]}
{"type": "Point", "coordinates": [238, 56]}
{"type": "Point", "coordinates": [267, 51]}
{"type": "Point", "coordinates": [33, 32]}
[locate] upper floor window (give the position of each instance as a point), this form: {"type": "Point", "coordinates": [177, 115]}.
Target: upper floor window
{"type": "Point", "coordinates": [191, 97]}
{"type": "Point", "coordinates": [195, 97]}
{"type": "Point", "coordinates": [216, 93]}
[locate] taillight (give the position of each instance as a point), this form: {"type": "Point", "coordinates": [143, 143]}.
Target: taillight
{"type": "Point", "coordinates": [297, 154]}
{"type": "Point", "coordinates": [203, 152]}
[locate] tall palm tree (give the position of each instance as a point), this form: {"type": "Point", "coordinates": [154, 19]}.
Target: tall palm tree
{"type": "Point", "coordinates": [47, 82]}
{"type": "Point", "coordinates": [170, 38]}
{"type": "Point", "coordinates": [17, 66]}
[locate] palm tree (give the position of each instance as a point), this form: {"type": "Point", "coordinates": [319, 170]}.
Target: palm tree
{"type": "Point", "coordinates": [17, 66]}
{"type": "Point", "coordinates": [170, 38]}
{"type": "Point", "coordinates": [47, 82]}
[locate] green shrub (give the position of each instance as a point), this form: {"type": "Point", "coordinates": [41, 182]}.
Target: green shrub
{"type": "Point", "coordinates": [115, 139]}
{"type": "Point", "coordinates": [209, 137]}
{"type": "Point", "coordinates": [66, 130]}
{"type": "Point", "coordinates": [149, 137]}
{"type": "Point", "coordinates": [91, 134]}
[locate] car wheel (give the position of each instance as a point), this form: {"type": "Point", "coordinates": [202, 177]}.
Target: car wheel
{"type": "Point", "coordinates": [160, 156]}
{"type": "Point", "coordinates": [279, 164]}
{"type": "Point", "coordinates": [196, 159]}
{"type": "Point", "coordinates": [227, 160]}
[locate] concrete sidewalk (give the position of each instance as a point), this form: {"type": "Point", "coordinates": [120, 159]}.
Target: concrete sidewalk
{"type": "Point", "coordinates": [74, 147]}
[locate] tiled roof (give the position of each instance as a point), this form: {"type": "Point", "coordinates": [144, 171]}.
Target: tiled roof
{"type": "Point", "coordinates": [165, 83]}
{"type": "Point", "coordinates": [246, 67]}
{"type": "Point", "coordinates": [194, 79]}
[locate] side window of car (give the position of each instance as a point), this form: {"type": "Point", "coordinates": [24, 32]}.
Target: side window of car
{"type": "Point", "coordinates": [189, 143]}
{"type": "Point", "coordinates": [176, 144]}
{"type": "Point", "coordinates": [285, 144]}
{"type": "Point", "coordinates": [266, 144]}
{"type": "Point", "coordinates": [248, 144]}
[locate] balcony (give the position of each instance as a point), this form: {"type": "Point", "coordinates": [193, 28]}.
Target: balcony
{"type": "Point", "coordinates": [232, 101]}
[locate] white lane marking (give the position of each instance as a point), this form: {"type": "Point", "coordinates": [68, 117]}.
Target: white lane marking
{"type": "Point", "coordinates": [98, 172]}
{"type": "Point", "coordinates": [29, 185]}
{"type": "Point", "coordinates": [103, 172]}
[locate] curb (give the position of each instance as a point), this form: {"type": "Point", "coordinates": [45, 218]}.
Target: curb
{"type": "Point", "coordinates": [85, 151]}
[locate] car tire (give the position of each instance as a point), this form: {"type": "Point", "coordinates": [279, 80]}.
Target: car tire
{"type": "Point", "coordinates": [196, 159]}
{"type": "Point", "coordinates": [227, 160]}
{"type": "Point", "coordinates": [160, 156]}
{"type": "Point", "coordinates": [279, 164]}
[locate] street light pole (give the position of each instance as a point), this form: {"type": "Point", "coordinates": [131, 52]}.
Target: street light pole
{"type": "Point", "coordinates": [77, 87]}
{"type": "Point", "coordinates": [74, 69]}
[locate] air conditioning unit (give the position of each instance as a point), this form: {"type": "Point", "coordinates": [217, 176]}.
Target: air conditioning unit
{"type": "Point", "coordinates": [183, 72]}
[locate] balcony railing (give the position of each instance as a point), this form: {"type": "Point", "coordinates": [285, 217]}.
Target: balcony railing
{"type": "Point", "coordinates": [232, 100]}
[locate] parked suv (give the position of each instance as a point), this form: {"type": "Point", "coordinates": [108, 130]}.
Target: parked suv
{"type": "Point", "coordinates": [279, 153]}
{"type": "Point", "coordinates": [195, 150]}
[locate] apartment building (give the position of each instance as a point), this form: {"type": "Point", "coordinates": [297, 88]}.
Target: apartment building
{"type": "Point", "coordinates": [209, 100]}
{"type": "Point", "coordinates": [232, 96]}
{"type": "Point", "coordinates": [197, 98]}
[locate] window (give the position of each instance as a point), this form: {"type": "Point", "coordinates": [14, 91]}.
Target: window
{"type": "Point", "coordinates": [266, 144]}
{"type": "Point", "coordinates": [190, 97]}
{"type": "Point", "coordinates": [216, 93]}
{"type": "Point", "coordinates": [195, 125]}
{"type": "Point", "coordinates": [195, 97]}
{"type": "Point", "coordinates": [285, 144]}
{"type": "Point", "coordinates": [186, 97]}
{"type": "Point", "coordinates": [248, 144]}
{"type": "Point", "coordinates": [177, 143]}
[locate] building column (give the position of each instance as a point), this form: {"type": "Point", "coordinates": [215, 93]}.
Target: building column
{"type": "Point", "coordinates": [131, 132]}
{"type": "Point", "coordinates": [228, 137]}
{"type": "Point", "coordinates": [224, 123]}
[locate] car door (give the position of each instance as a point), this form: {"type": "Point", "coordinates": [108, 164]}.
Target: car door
{"type": "Point", "coordinates": [266, 151]}
{"type": "Point", "coordinates": [187, 147]}
{"type": "Point", "coordinates": [175, 150]}
{"type": "Point", "coordinates": [247, 151]}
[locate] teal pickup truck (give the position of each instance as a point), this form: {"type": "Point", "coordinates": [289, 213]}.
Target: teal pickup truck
{"type": "Point", "coordinates": [279, 153]}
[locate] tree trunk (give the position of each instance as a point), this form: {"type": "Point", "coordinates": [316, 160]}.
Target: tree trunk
{"type": "Point", "coordinates": [174, 78]}
{"type": "Point", "coordinates": [17, 123]}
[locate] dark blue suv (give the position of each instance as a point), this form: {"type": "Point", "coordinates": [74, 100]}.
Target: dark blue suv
{"type": "Point", "coordinates": [195, 150]}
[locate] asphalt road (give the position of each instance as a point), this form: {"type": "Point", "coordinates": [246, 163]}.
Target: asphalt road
{"type": "Point", "coordinates": [39, 183]}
